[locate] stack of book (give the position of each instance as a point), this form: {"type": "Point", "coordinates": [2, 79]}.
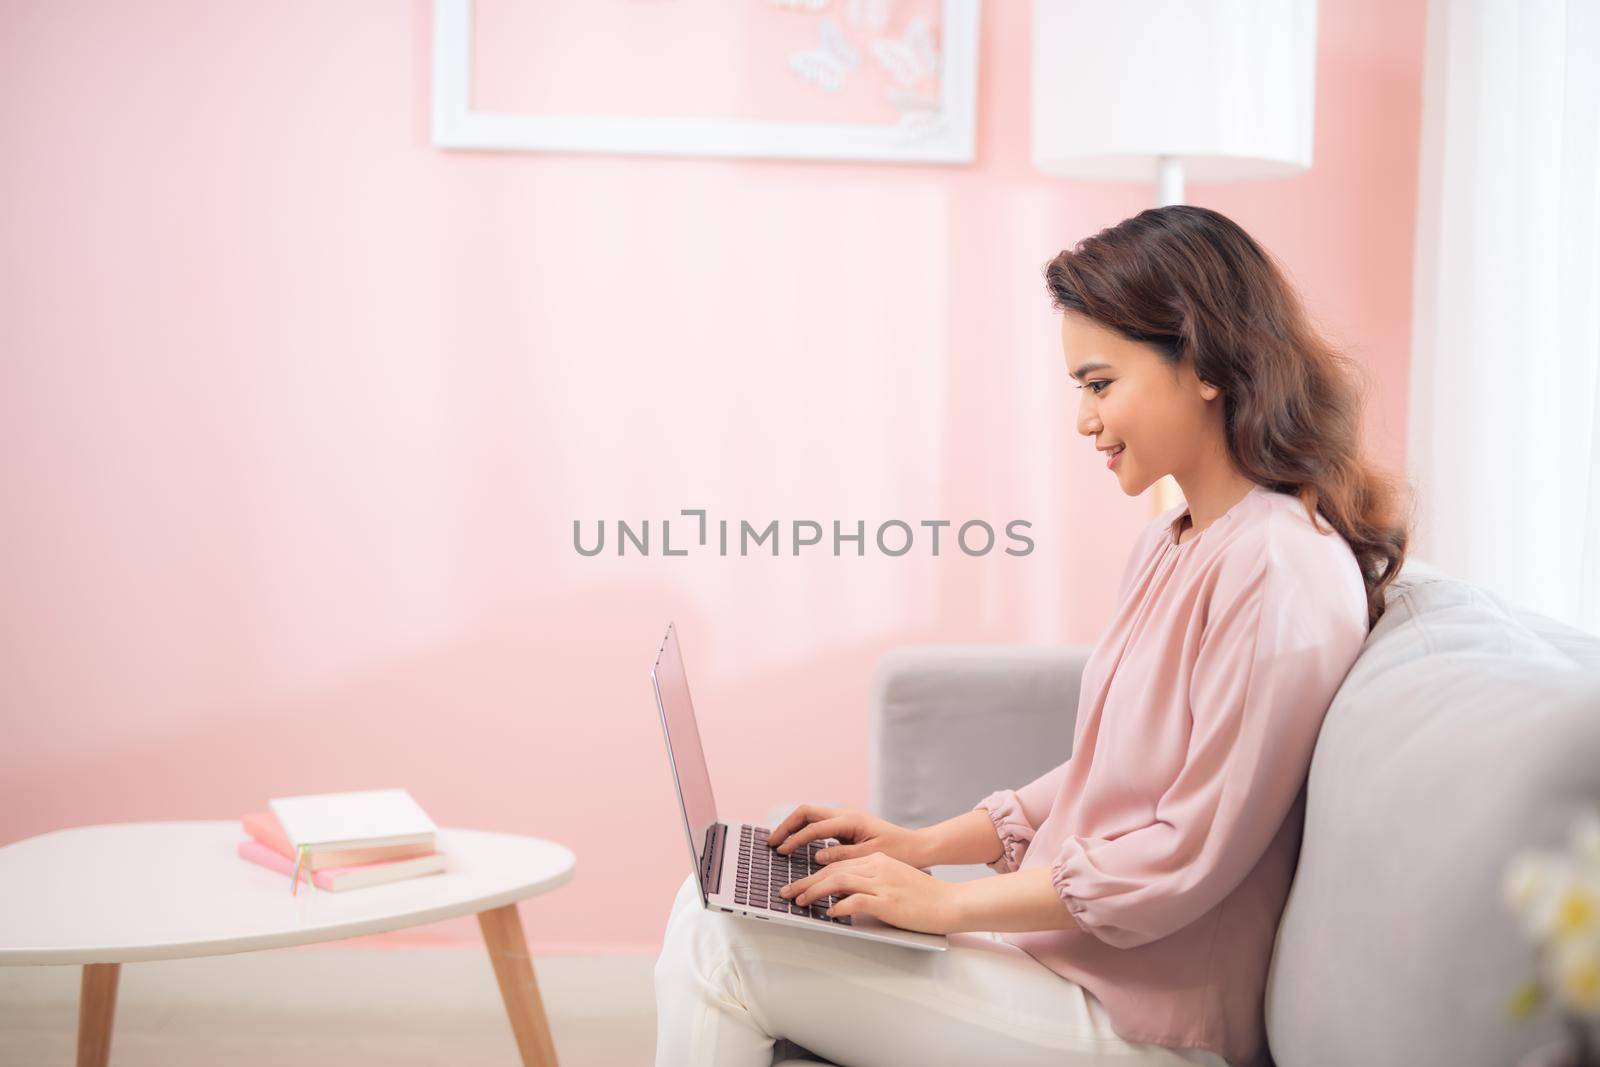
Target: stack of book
{"type": "Point", "coordinates": [343, 840]}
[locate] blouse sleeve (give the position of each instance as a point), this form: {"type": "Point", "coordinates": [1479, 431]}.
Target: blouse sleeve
{"type": "Point", "coordinates": [1018, 813]}
{"type": "Point", "coordinates": [1275, 646]}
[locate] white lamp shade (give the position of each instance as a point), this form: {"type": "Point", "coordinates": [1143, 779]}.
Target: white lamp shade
{"type": "Point", "coordinates": [1226, 86]}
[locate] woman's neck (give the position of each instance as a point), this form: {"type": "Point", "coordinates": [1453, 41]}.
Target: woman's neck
{"type": "Point", "coordinates": [1209, 496]}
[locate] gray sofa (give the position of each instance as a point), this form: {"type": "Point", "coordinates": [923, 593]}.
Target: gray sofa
{"type": "Point", "coordinates": [1467, 729]}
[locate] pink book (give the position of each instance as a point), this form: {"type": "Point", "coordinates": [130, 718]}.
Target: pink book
{"type": "Point", "coordinates": [263, 826]}
{"type": "Point", "coordinates": [334, 879]}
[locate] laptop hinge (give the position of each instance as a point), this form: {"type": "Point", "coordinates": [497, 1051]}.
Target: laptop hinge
{"type": "Point", "coordinates": [710, 869]}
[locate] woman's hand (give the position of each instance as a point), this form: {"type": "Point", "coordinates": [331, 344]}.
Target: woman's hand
{"type": "Point", "coordinates": [885, 888]}
{"type": "Point", "coordinates": [867, 834]}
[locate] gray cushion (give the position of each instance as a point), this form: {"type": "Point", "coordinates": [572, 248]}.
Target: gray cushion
{"type": "Point", "coordinates": [952, 723]}
{"type": "Point", "coordinates": [1466, 731]}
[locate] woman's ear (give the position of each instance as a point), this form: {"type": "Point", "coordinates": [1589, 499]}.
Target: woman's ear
{"type": "Point", "coordinates": [1209, 391]}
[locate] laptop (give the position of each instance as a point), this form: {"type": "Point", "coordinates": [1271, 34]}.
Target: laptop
{"type": "Point", "coordinates": [738, 872]}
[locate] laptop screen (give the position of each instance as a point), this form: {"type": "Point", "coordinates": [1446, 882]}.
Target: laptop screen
{"type": "Point", "coordinates": [688, 759]}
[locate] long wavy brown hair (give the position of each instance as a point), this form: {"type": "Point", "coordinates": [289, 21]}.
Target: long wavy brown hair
{"type": "Point", "coordinates": [1190, 282]}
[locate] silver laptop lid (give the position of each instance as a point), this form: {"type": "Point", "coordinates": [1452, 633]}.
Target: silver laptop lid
{"type": "Point", "coordinates": [687, 758]}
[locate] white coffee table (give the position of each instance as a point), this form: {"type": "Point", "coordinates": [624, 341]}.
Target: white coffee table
{"type": "Point", "coordinates": [102, 896]}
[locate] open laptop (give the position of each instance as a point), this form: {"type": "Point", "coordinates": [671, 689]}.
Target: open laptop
{"type": "Point", "coordinates": [737, 870]}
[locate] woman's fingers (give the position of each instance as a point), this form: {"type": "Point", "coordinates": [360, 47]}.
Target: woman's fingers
{"type": "Point", "coordinates": [857, 904]}
{"type": "Point", "coordinates": [797, 818]}
{"type": "Point", "coordinates": [833, 827]}
{"type": "Point", "coordinates": [791, 821]}
{"type": "Point", "coordinates": [833, 870]}
{"type": "Point", "coordinates": [829, 884]}
{"type": "Point", "coordinates": [799, 885]}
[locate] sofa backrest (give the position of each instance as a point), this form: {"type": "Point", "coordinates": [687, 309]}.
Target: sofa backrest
{"type": "Point", "coordinates": [1466, 731]}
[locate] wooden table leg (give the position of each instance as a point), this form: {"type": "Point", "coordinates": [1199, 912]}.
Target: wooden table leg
{"type": "Point", "coordinates": [97, 1005]}
{"type": "Point", "coordinates": [508, 951]}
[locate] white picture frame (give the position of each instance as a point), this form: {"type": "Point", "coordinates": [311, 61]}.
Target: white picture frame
{"type": "Point", "coordinates": [945, 134]}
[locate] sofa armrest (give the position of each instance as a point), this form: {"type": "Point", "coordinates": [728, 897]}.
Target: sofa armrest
{"type": "Point", "coordinates": [950, 724]}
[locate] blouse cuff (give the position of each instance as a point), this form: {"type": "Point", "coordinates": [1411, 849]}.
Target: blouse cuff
{"type": "Point", "coordinates": [1061, 880]}
{"type": "Point", "coordinates": [1068, 876]}
{"type": "Point", "coordinates": [1012, 827]}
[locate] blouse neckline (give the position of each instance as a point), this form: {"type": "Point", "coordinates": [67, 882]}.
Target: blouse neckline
{"type": "Point", "coordinates": [1173, 528]}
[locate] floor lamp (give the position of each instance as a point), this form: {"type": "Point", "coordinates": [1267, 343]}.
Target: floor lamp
{"type": "Point", "coordinates": [1168, 90]}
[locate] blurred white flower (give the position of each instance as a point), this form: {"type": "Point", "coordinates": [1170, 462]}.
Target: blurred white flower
{"type": "Point", "coordinates": [1556, 899]}
{"type": "Point", "coordinates": [1529, 883]}
{"type": "Point", "coordinates": [1575, 905]}
{"type": "Point", "coordinates": [1526, 876]}
{"type": "Point", "coordinates": [1574, 974]}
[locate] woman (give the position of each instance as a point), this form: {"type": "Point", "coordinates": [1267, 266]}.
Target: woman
{"type": "Point", "coordinates": [1140, 881]}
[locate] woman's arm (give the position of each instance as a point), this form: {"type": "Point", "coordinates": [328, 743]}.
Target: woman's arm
{"type": "Point", "coordinates": [967, 838]}
{"type": "Point", "coordinates": [1021, 900]}
{"type": "Point", "coordinates": [974, 836]}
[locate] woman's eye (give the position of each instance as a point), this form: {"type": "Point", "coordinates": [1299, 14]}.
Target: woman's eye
{"type": "Point", "coordinates": [1091, 385]}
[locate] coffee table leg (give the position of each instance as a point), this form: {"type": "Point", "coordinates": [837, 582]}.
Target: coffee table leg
{"type": "Point", "coordinates": [508, 951]}
{"type": "Point", "coordinates": [97, 1005]}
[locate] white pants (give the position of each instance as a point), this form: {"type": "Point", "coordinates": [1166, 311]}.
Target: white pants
{"type": "Point", "coordinates": [727, 986]}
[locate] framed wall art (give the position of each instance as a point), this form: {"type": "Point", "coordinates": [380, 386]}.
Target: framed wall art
{"type": "Point", "coordinates": [883, 80]}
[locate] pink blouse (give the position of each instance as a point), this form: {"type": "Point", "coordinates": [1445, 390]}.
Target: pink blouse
{"type": "Point", "coordinates": [1172, 832]}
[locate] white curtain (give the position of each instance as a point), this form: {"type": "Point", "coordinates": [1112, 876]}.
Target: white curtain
{"type": "Point", "coordinates": [1504, 449]}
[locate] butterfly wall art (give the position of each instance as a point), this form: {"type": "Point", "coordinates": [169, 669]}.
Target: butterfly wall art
{"type": "Point", "coordinates": [876, 80]}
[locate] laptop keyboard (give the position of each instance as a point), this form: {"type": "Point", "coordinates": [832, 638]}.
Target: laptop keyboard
{"type": "Point", "coordinates": [763, 871]}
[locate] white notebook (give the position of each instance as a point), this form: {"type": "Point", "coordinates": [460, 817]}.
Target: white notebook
{"type": "Point", "coordinates": [369, 819]}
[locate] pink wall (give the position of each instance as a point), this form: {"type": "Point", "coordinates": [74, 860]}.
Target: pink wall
{"type": "Point", "coordinates": [298, 412]}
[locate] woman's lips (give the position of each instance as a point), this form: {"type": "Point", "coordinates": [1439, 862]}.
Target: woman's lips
{"type": "Point", "coordinates": [1111, 460]}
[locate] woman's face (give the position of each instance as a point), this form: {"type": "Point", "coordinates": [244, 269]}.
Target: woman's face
{"type": "Point", "coordinates": [1168, 420]}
